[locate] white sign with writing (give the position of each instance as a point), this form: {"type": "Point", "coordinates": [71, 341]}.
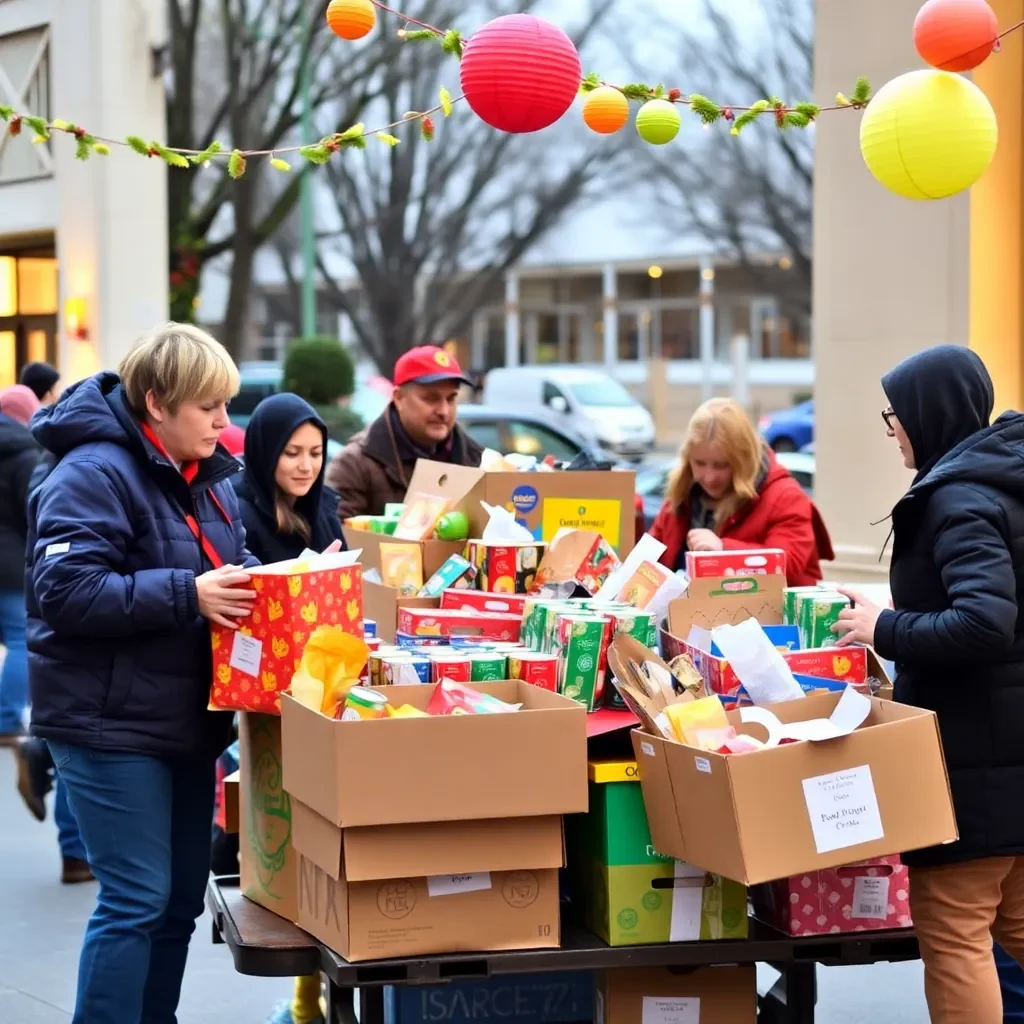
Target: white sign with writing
{"type": "Point", "coordinates": [870, 897]}
{"type": "Point", "coordinates": [246, 654]}
{"type": "Point", "coordinates": [449, 885]}
{"type": "Point", "coordinates": [843, 809]}
{"type": "Point", "coordinates": [657, 1010]}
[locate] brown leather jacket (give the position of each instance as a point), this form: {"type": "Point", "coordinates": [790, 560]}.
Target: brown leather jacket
{"type": "Point", "coordinates": [369, 471]}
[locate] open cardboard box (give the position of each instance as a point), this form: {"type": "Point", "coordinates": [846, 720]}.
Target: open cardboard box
{"type": "Point", "coordinates": [803, 806]}
{"type": "Point", "coordinates": [381, 604]}
{"type": "Point", "coordinates": [407, 890]}
{"type": "Point", "coordinates": [601, 501]}
{"type": "Point", "coordinates": [531, 762]}
{"type": "Point", "coordinates": [435, 552]}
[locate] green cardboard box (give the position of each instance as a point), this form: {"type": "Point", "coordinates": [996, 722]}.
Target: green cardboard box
{"type": "Point", "coordinates": [628, 893]}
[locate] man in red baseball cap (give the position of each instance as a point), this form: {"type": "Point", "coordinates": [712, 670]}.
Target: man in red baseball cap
{"type": "Point", "coordinates": [375, 467]}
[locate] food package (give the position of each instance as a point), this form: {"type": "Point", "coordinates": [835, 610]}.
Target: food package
{"type": "Point", "coordinates": [331, 664]}
{"type": "Point", "coordinates": [451, 698]}
{"type": "Point", "coordinates": [254, 664]}
{"type": "Point", "coordinates": [420, 516]}
{"type": "Point", "coordinates": [582, 649]}
{"type": "Point", "coordinates": [455, 572]}
{"type": "Point", "coordinates": [694, 716]}
{"type": "Point", "coordinates": [449, 623]}
{"type": "Point", "coordinates": [576, 562]}
{"type": "Point", "coordinates": [750, 562]}
{"type": "Point", "coordinates": [505, 567]}
{"type": "Point", "coordinates": [401, 567]}
{"type": "Point", "coordinates": [816, 613]}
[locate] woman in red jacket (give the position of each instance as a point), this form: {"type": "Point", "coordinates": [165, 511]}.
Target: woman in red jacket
{"type": "Point", "coordinates": [729, 493]}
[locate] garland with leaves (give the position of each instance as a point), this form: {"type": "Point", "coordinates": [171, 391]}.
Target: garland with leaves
{"type": "Point", "coordinates": [709, 112]}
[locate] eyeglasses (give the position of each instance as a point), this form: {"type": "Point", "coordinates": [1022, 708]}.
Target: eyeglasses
{"type": "Point", "coordinates": [888, 416]}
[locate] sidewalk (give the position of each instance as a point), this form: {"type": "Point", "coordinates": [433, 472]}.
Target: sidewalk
{"type": "Point", "coordinates": [41, 925]}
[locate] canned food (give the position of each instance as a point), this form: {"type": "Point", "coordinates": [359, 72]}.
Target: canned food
{"type": "Point", "coordinates": [405, 670]}
{"type": "Point", "coordinates": [580, 640]}
{"type": "Point", "coordinates": [487, 666]}
{"type": "Point", "coordinates": [448, 665]}
{"type": "Point", "coordinates": [534, 668]}
{"type": "Point", "coordinates": [362, 703]}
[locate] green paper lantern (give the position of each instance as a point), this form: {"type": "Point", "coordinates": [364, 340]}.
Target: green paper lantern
{"type": "Point", "coordinates": [658, 122]}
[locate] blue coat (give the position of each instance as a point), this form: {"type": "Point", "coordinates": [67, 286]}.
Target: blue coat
{"type": "Point", "coordinates": [119, 657]}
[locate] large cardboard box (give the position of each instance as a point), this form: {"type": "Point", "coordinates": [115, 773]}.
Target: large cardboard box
{"type": "Point", "coordinates": [444, 768]}
{"type": "Point", "coordinates": [381, 604]}
{"type": "Point", "coordinates": [707, 995]}
{"type": "Point", "coordinates": [628, 892]}
{"type": "Point", "coordinates": [600, 501]}
{"type": "Point", "coordinates": [269, 863]}
{"type": "Point", "coordinates": [435, 552]}
{"type": "Point", "coordinates": [799, 807]}
{"type": "Point", "coordinates": [405, 890]}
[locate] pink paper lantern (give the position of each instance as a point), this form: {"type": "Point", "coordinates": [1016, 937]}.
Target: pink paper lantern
{"type": "Point", "coordinates": [520, 73]}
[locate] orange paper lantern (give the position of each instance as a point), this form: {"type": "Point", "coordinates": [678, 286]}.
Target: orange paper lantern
{"type": "Point", "coordinates": [351, 19]}
{"type": "Point", "coordinates": [605, 110]}
{"type": "Point", "coordinates": [955, 35]}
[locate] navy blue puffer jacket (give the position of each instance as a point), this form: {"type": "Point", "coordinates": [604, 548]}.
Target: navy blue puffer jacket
{"type": "Point", "coordinates": [119, 657]}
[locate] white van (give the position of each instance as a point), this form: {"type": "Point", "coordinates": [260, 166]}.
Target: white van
{"type": "Point", "coordinates": [589, 401]}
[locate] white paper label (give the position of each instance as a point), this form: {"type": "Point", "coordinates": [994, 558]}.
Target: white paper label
{"type": "Point", "coordinates": [871, 897]}
{"type": "Point", "coordinates": [703, 765]}
{"type": "Point", "coordinates": [670, 1011]}
{"type": "Point", "coordinates": [687, 905]}
{"type": "Point", "coordinates": [647, 748]}
{"type": "Point", "coordinates": [449, 885]}
{"type": "Point", "coordinates": [57, 549]}
{"type": "Point", "coordinates": [843, 809]}
{"type": "Point", "coordinates": [246, 654]}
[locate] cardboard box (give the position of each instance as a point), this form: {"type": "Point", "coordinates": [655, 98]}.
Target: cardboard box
{"type": "Point", "coordinates": [462, 600]}
{"type": "Point", "coordinates": [269, 864]}
{"type": "Point", "coordinates": [628, 892]}
{"type": "Point", "coordinates": [254, 664]}
{"type": "Point", "coordinates": [804, 806]}
{"type": "Point", "coordinates": [435, 552]}
{"type": "Point", "coordinates": [446, 622]}
{"type": "Point", "coordinates": [868, 896]}
{"type": "Point", "coordinates": [445, 768]}
{"type": "Point", "coordinates": [381, 604]}
{"type": "Point", "coordinates": [711, 602]}
{"type": "Point", "coordinates": [600, 501]}
{"type": "Point", "coordinates": [407, 890]}
{"type": "Point", "coordinates": [707, 995]}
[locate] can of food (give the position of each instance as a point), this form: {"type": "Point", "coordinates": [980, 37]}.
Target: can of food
{"type": "Point", "coordinates": [405, 669]}
{"type": "Point", "coordinates": [637, 623]}
{"type": "Point", "coordinates": [579, 642]}
{"type": "Point", "coordinates": [534, 668]}
{"type": "Point", "coordinates": [549, 627]}
{"type": "Point", "coordinates": [369, 628]}
{"type": "Point", "coordinates": [449, 665]}
{"type": "Point", "coordinates": [363, 704]}
{"type": "Point", "coordinates": [374, 671]}
{"type": "Point", "coordinates": [487, 666]}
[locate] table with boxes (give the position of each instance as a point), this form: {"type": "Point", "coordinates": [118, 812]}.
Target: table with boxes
{"type": "Point", "coordinates": [557, 755]}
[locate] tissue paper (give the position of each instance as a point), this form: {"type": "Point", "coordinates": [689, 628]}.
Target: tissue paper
{"type": "Point", "coordinates": [758, 665]}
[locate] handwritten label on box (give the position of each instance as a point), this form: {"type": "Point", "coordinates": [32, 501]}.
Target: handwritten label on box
{"type": "Point", "coordinates": [450, 885]}
{"type": "Point", "coordinates": [843, 809]}
{"type": "Point", "coordinates": [246, 654]}
{"type": "Point", "coordinates": [670, 1011]}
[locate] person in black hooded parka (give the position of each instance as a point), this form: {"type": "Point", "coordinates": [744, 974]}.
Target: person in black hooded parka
{"type": "Point", "coordinates": [284, 503]}
{"type": "Point", "coordinates": [957, 637]}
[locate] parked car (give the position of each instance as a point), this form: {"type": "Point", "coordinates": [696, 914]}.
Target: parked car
{"type": "Point", "coordinates": [652, 480]}
{"type": "Point", "coordinates": [588, 402]}
{"type": "Point", "coordinates": [791, 429]}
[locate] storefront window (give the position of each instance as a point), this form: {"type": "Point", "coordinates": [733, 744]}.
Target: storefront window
{"type": "Point", "coordinates": [37, 286]}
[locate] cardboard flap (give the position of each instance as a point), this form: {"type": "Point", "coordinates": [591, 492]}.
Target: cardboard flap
{"type": "Point", "coordinates": [456, 483]}
{"type": "Point", "coordinates": [720, 608]}
{"type": "Point", "coordinates": [659, 799]}
{"type": "Point", "coordinates": [317, 839]}
{"type": "Point", "coordinates": [452, 848]}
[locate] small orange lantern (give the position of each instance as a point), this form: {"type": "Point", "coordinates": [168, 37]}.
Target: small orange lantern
{"type": "Point", "coordinates": [605, 110]}
{"type": "Point", "coordinates": [351, 19]}
{"type": "Point", "coordinates": [955, 35]}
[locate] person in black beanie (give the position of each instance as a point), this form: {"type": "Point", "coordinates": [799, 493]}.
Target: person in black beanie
{"type": "Point", "coordinates": [43, 379]}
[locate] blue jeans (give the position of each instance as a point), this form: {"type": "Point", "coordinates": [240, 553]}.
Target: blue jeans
{"type": "Point", "coordinates": [146, 826]}
{"type": "Point", "coordinates": [68, 836]}
{"type": "Point", "coordinates": [1011, 983]}
{"type": "Point", "coordinates": [14, 676]}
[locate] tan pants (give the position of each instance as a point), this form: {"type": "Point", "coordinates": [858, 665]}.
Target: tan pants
{"type": "Point", "coordinates": [958, 910]}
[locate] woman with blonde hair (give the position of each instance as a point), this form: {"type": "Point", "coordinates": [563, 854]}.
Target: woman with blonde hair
{"type": "Point", "coordinates": [728, 493]}
{"type": "Point", "coordinates": [135, 545]}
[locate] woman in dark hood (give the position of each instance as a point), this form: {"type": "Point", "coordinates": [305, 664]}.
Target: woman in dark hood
{"type": "Point", "coordinates": [284, 504]}
{"type": "Point", "coordinates": [957, 638]}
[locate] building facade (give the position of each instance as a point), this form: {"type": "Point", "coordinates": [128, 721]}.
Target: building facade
{"type": "Point", "coordinates": [83, 246]}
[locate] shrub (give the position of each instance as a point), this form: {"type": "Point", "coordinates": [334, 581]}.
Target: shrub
{"type": "Point", "coordinates": [341, 422]}
{"type": "Point", "coordinates": [319, 370]}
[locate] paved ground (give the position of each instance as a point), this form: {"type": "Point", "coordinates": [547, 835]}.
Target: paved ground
{"type": "Point", "coordinates": [41, 926]}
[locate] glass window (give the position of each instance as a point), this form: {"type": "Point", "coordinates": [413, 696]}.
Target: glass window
{"type": "Point", "coordinates": [8, 286]}
{"type": "Point", "coordinates": [8, 347]}
{"type": "Point", "coordinates": [37, 286]}
{"type": "Point", "coordinates": [601, 391]}
{"type": "Point", "coordinates": [531, 439]}
{"type": "Point", "coordinates": [679, 334]}
{"type": "Point", "coordinates": [483, 432]}
{"type": "Point", "coordinates": [38, 347]}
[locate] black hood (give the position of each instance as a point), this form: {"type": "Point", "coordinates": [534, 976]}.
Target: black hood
{"type": "Point", "coordinates": [272, 424]}
{"type": "Point", "coordinates": [941, 396]}
{"type": "Point", "coordinates": [14, 437]}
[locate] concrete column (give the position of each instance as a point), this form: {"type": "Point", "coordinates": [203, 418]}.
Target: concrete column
{"type": "Point", "coordinates": [511, 318]}
{"type": "Point", "coordinates": [890, 278]}
{"type": "Point", "coordinates": [112, 243]}
{"type": "Point", "coordinates": [610, 305]}
{"type": "Point", "coordinates": [707, 328]}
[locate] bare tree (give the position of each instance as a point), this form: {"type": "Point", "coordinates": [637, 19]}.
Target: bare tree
{"type": "Point", "coordinates": [751, 194]}
{"type": "Point", "coordinates": [429, 226]}
{"type": "Point", "coordinates": [236, 76]}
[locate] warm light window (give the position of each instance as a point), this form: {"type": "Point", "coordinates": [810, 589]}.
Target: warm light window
{"type": "Point", "coordinates": [37, 348]}
{"type": "Point", "coordinates": [8, 286]}
{"type": "Point", "coordinates": [8, 375]}
{"type": "Point", "coordinates": [37, 287]}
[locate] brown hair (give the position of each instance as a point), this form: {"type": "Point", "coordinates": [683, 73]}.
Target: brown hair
{"type": "Point", "coordinates": [288, 520]}
{"type": "Point", "coordinates": [726, 423]}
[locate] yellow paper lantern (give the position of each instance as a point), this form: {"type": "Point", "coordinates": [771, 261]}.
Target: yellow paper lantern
{"type": "Point", "coordinates": [928, 134]}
